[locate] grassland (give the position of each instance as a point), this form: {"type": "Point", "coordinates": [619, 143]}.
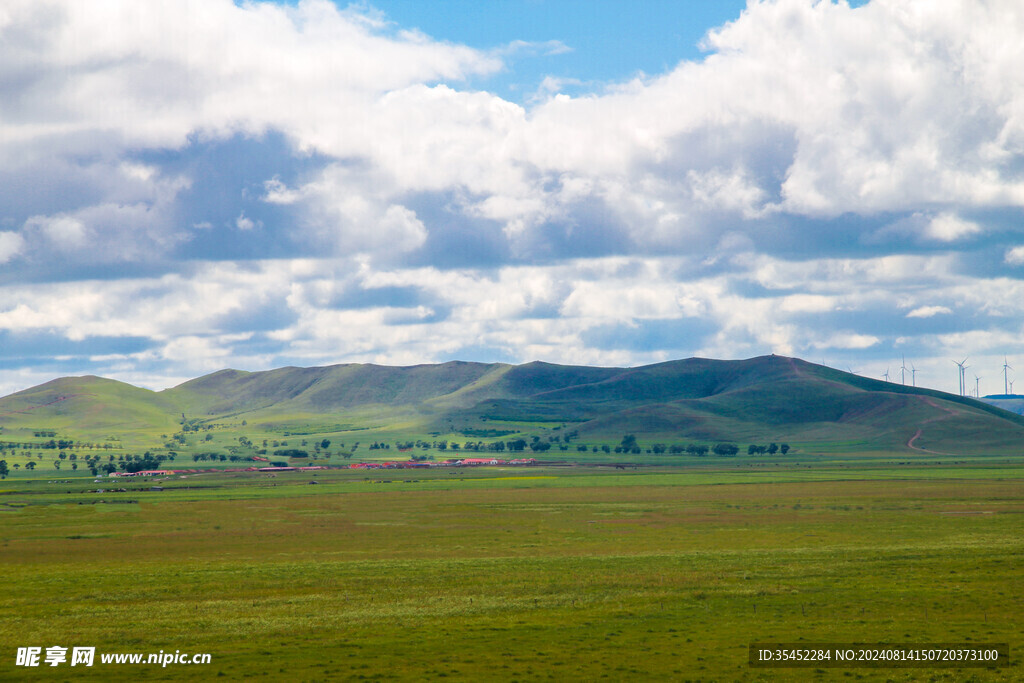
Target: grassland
{"type": "Point", "coordinates": [560, 573]}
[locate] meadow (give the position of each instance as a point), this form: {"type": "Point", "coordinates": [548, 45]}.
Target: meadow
{"type": "Point", "coordinates": [540, 573]}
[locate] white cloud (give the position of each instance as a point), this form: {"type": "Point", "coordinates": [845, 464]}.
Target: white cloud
{"type": "Point", "coordinates": [848, 340]}
{"type": "Point", "coordinates": [733, 189]}
{"type": "Point", "coordinates": [551, 86]}
{"type": "Point", "coordinates": [808, 303]}
{"type": "Point", "coordinates": [173, 69]}
{"type": "Point", "coordinates": [11, 244]}
{"type": "Point", "coordinates": [1014, 256]}
{"type": "Point", "coordinates": [929, 311]}
{"type": "Point", "coordinates": [401, 228]}
{"type": "Point", "coordinates": [948, 228]}
{"type": "Point", "coordinates": [66, 233]}
{"type": "Point", "coordinates": [806, 107]}
{"type": "Point", "coordinates": [105, 233]}
{"type": "Point", "coordinates": [547, 48]}
{"type": "Point", "coordinates": [243, 223]}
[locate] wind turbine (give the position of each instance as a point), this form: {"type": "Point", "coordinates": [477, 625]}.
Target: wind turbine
{"type": "Point", "coordinates": [961, 366]}
{"type": "Point", "coordinates": [977, 390]}
{"type": "Point", "coordinates": [1006, 366]}
{"type": "Point", "coordinates": [903, 372]}
{"type": "Point", "coordinates": [913, 374]}
{"type": "Point", "coordinates": [886, 374]}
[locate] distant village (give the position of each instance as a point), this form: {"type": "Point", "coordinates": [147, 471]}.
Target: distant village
{"type": "Point", "coordinates": [395, 465]}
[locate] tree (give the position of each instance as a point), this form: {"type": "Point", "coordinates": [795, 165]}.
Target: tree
{"type": "Point", "coordinates": [725, 449]}
{"type": "Point", "coordinates": [3, 469]}
{"type": "Point", "coordinates": [773, 448]}
{"type": "Point", "coordinates": [292, 453]}
{"type": "Point", "coordinates": [628, 442]}
{"type": "Point", "coordinates": [30, 466]}
{"type": "Point", "coordinates": [784, 448]}
{"type": "Point", "coordinates": [325, 444]}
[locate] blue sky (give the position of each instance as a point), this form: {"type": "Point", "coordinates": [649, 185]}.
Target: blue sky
{"type": "Point", "coordinates": [188, 186]}
{"type": "Point", "coordinates": [586, 43]}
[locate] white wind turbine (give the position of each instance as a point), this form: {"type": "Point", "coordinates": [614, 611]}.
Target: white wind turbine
{"type": "Point", "coordinates": [1006, 380]}
{"type": "Point", "coordinates": [962, 367]}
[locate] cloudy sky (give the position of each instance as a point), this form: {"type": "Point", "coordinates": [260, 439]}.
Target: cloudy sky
{"type": "Point", "coordinates": [188, 185]}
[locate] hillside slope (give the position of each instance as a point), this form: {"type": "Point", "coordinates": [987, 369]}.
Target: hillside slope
{"type": "Point", "coordinates": [89, 404]}
{"type": "Point", "coordinates": [766, 398]}
{"type": "Point", "coordinates": [1011, 403]}
{"type": "Point", "coordinates": [770, 398]}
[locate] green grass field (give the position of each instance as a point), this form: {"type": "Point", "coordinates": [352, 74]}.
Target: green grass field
{"type": "Point", "coordinates": [562, 573]}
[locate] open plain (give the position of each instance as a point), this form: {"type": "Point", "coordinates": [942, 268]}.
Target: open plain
{"type": "Point", "coordinates": [560, 573]}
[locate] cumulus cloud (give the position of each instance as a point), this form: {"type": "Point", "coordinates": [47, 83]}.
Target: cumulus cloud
{"type": "Point", "coordinates": [243, 223]}
{"type": "Point", "coordinates": [820, 172]}
{"type": "Point", "coordinates": [176, 72]}
{"type": "Point", "coordinates": [802, 109]}
{"type": "Point", "coordinates": [848, 340]}
{"type": "Point", "coordinates": [63, 232]}
{"type": "Point", "coordinates": [928, 311]}
{"type": "Point", "coordinates": [948, 228]}
{"type": "Point", "coordinates": [11, 244]}
{"type": "Point", "coordinates": [1014, 256]}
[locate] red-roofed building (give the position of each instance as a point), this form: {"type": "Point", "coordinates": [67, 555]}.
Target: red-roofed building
{"type": "Point", "coordinates": [482, 461]}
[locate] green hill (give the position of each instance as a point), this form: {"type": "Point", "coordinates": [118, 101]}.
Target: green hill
{"type": "Point", "coordinates": [1011, 402]}
{"type": "Point", "coordinates": [770, 398]}
{"type": "Point", "coordinates": [90, 406]}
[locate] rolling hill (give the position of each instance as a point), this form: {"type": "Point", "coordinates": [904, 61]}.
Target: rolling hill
{"type": "Point", "coordinates": [770, 398]}
{"type": "Point", "coordinates": [1011, 402]}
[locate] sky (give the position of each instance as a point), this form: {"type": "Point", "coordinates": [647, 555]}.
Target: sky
{"type": "Point", "coordinates": [191, 185]}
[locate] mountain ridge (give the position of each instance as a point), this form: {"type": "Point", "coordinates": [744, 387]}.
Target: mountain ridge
{"type": "Point", "coordinates": [763, 398]}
